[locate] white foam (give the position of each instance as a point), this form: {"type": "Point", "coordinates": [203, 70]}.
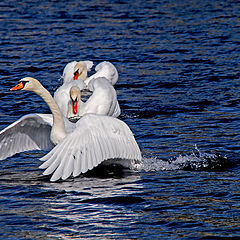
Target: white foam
{"type": "Point", "coordinates": [195, 161]}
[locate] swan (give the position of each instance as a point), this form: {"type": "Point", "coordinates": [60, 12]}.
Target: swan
{"type": "Point", "coordinates": [74, 71]}
{"type": "Point", "coordinates": [74, 74]}
{"type": "Point", "coordinates": [104, 69]}
{"type": "Point", "coordinates": [103, 100]}
{"type": "Point", "coordinates": [94, 139]}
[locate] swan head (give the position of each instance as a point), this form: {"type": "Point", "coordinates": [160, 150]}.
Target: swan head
{"type": "Point", "coordinates": [75, 97]}
{"type": "Point", "coordinates": [68, 72]}
{"type": "Point", "coordinates": [73, 70]}
{"type": "Point", "coordinates": [80, 71]}
{"type": "Point", "coordinates": [74, 104]}
{"type": "Point", "coordinates": [27, 84]}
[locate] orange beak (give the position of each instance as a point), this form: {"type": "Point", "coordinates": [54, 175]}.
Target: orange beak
{"type": "Point", "coordinates": [74, 106]}
{"type": "Point", "coordinates": [19, 86]}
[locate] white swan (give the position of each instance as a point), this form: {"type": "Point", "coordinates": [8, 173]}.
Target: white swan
{"type": "Point", "coordinates": [74, 71]}
{"type": "Point", "coordinates": [94, 139]}
{"type": "Point", "coordinates": [74, 74]}
{"type": "Point", "coordinates": [104, 69]}
{"type": "Point", "coordinates": [103, 101]}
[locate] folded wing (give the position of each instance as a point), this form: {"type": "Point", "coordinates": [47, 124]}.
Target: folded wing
{"type": "Point", "coordinates": [107, 70]}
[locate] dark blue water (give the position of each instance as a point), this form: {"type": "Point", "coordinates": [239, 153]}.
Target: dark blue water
{"type": "Point", "coordinates": [178, 89]}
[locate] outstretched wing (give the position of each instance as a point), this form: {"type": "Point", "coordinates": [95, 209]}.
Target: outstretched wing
{"type": "Point", "coordinates": [30, 132]}
{"type": "Point", "coordinates": [96, 138]}
{"type": "Point", "coordinates": [117, 110]}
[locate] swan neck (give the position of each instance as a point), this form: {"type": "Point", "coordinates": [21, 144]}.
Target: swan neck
{"type": "Point", "coordinates": [58, 129]}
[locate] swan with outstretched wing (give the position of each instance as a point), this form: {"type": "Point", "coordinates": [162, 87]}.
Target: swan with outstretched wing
{"type": "Point", "coordinates": [91, 141]}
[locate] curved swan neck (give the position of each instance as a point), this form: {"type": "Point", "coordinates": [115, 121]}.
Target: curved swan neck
{"type": "Point", "coordinates": [58, 129]}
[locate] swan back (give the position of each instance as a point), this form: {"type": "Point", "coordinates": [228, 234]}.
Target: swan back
{"type": "Point", "coordinates": [104, 98]}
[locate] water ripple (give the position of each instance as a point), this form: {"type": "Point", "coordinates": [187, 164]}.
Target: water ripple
{"type": "Point", "coordinates": [178, 88]}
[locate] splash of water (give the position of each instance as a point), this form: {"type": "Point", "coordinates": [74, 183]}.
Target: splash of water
{"type": "Point", "coordinates": [196, 161]}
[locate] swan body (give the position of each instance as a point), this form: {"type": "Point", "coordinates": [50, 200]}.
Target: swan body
{"type": "Point", "coordinates": [92, 140]}
{"type": "Point", "coordinates": [104, 69]}
{"type": "Point", "coordinates": [74, 74]}
{"type": "Point", "coordinates": [103, 100]}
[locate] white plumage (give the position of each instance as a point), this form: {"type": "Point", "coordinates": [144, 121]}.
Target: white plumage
{"type": "Point", "coordinates": [30, 132]}
{"type": "Point", "coordinates": [61, 95]}
{"type": "Point", "coordinates": [103, 100]}
{"type": "Point", "coordinates": [80, 147]}
{"type": "Point", "coordinates": [104, 69]}
{"type": "Point", "coordinates": [95, 139]}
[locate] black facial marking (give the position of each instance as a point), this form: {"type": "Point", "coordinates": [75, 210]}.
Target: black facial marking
{"type": "Point", "coordinates": [24, 83]}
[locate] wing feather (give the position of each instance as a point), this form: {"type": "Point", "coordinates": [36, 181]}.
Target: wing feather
{"type": "Point", "coordinates": [52, 163]}
{"type": "Point", "coordinates": [54, 158]}
{"type": "Point", "coordinates": [85, 162]}
{"type": "Point", "coordinates": [68, 167]}
{"type": "Point", "coordinates": [31, 132]}
{"type": "Point", "coordinates": [97, 153]}
{"type": "Point", "coordinates": [62, 158]}
{"type": "Point", "coordinates": [77, 164]}
{"type": "Point", "coordinates": [104, 148]}
{"type": "Point", "coordinates": [95, 139]}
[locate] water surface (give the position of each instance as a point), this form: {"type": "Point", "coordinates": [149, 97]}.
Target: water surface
{"type": "Point", "coordinates": [178, 89]}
